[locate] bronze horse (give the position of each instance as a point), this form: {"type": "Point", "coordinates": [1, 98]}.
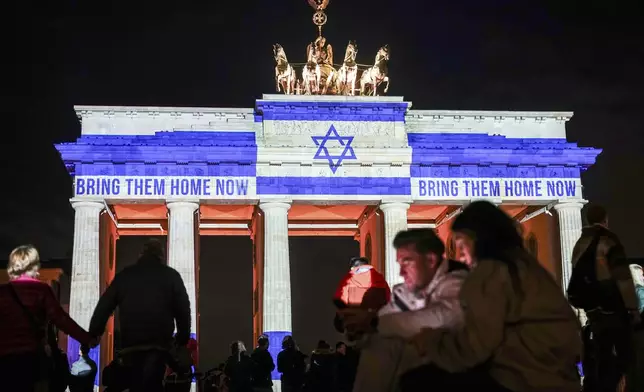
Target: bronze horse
{"type": "Point", "coordinates": [376, 75]}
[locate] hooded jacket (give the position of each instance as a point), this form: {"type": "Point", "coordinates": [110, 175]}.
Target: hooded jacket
{"type": "Point", "coordinates": [436, 306]}
{"type": "Point", "coordinates": [363, 286]}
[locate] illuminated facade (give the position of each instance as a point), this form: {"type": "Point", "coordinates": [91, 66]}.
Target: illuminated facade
{"type": "Point", "coordinates": [365, 167]}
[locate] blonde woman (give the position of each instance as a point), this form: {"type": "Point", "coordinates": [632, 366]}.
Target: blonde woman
{"type": "Point", "coordinates": [27, 305]}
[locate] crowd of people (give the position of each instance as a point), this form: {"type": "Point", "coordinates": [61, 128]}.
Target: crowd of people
{"type": "Point", "coordinates": [325, 370]}
{"type": "Point", "coordinates": [491, 318]}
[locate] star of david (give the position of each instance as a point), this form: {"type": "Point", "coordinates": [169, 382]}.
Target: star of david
{"type": "Point", "coordinates": [323, 152]}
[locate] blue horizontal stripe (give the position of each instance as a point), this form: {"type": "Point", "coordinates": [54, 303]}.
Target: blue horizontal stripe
{"type": "Point", "coordinates": [174, 138]}
{"type": "Point", "coordinates": [175, 153]}
{"type": "Point", "coordinates": [275, 346]}
{"type": "Point", "coordinates": [194, 169]}
{"type": "Point", "coordinates": [333, 186]}
{"type": "Point", "coordinates": [330, 111]}
{"type": "Point", "coordinates": [496, 171]}
{"type": "Point", "coordinates": [465, 140]}
{"type": "Point", "coordinates": [495, 150]}
{"type": "Point", "coordinates": [332, 117]}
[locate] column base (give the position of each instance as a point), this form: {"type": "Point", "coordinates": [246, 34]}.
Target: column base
{"type": "Point", "coordinates": [73, 349]}
{"type": "Point", "coordinates": [274, 347]}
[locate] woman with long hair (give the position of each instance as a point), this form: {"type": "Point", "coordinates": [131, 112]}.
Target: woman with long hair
{"type": "Point", "coordinates": [238, 368]}
{"type": "Point", "coordinates": [520, 333]}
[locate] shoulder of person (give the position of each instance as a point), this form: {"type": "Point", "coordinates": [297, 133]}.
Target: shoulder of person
{"type": "Point", "coordinates": [611, 239]}
{"type": "Point", "coordinates": [489, 270]}
{"type": "Point", "coordinates": [171, 272]}
{"type": "Point", "coordinates": [457, 266]}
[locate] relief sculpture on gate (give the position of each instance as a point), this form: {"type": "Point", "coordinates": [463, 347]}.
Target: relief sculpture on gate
{"type": "Point", "coordinates": [319, 75]}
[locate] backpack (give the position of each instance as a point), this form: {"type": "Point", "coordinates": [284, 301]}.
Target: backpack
{"type": "Point", "coordinates": [583, 288]}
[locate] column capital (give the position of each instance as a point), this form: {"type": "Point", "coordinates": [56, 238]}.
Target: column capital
{"type": "Point", "coordinates": [394, 205]}
{"type": "Point", "coordinates": [273, 205]}
{"type": "Point", "coordinates": [77, 203]}
{"type": "Point", "coordinates": [187, 204]}
{"type": "Point", "coordinates": [576, 204]}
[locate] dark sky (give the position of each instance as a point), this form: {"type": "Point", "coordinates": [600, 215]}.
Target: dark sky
{"type": "Point", "coordinates": [584, 56]}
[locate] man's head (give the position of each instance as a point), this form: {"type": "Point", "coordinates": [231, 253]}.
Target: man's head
{"type": "Point", "coordinates": [153, 249]}
{"type": "Point", "coordinates": [596, 215]}
{"type": "Point", "coordinates": [419, 252]}
{"type": "Point", "coordinates": [341, 348]}
{"type": "Point", "coordinates": [262, 342]}
{"type": "Point", "coordinates": [358, 261]}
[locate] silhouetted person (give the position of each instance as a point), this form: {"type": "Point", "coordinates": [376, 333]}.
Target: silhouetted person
{"type": "Point", "coordinates": [610, 300]}
{"type": "Point", "coordinates": [362, 287]}
{"type": "Point", "coordinates": [83, 373]}
{"type": "Point", "coordinates": [150, 297]}
{"type": "Point", "coordinates": [346, 366]}
{"type": "Point", "coordinates": [239, 369]}
{"type": "Point", "coordinates": [263, 365]}
{"type": "Point", "coordinates": [320, 375]}
{"type": "Point", "coordinates": [291, 363]}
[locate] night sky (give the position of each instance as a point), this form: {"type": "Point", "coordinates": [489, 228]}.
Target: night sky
{"type": "Point", "coordinates": [583, 56]}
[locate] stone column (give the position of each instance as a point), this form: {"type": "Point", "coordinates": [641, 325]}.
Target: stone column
{"type": "Point", "coordinates": [181, 254]}
{"type": "Point", "coordinates": [395, 221]}
{"type": "Point", "coordinates": [570, 225]}
{"type": "Point", "coordinates": [85, 287]}
{"type": "Point", "coordinates": [277, 278]}
{"type": "Point", "coordinates": [181, 250]}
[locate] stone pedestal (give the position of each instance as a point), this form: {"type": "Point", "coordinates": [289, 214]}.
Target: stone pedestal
{"type": "Point", "coordinates": [277, 277]}
{"type": "Point", "coordinates": [85, 278]}
{"type": "Point", "coordinates": [395, 215]}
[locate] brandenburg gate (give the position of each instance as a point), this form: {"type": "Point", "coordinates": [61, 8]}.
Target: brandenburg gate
{"type": "Point", "coordinates": [346, 161]}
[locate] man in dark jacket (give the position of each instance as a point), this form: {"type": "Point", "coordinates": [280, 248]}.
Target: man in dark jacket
{"type": "Point", "coordinates": [346, 366]}
{"type": "Point", "coordinates": [150, 297]}
{"type": "Point", "coordinates": [291, 362]}
{"type": "Point", "coordinates": [263, 365]}
{"type": "Point", "coordinates": [320, 375]}
{"type": "Point", "coordinates": [612, 317]}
